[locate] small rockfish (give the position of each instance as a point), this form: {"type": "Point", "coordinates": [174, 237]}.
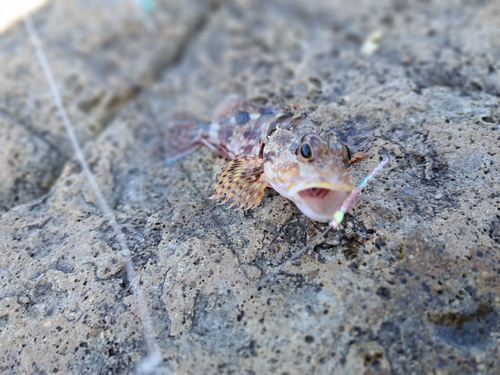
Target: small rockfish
{"type": "Point", "coordinates": [269, 146]}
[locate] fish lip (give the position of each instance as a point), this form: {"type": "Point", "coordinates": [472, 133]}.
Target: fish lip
{"type": "Point", "coordinates": [295, 188]}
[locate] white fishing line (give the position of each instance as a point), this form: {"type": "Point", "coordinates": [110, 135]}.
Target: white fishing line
{"type": "Point", "coordinates": [144, 11]}
{"type": "Point", "coordinates": [154, 356]}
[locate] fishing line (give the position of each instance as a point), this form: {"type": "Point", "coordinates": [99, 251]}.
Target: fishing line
{"type": "Point", "coordinates": [153, 357]}
{"type": "Point", "coordinates": [146, 9]}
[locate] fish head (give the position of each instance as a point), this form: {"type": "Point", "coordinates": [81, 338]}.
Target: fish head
{"type": "Point", "coordinates": [309, 167]}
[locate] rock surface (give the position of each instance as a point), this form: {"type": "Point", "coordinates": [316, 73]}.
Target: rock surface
{"type": "Point", "coordinates": [410, 285]}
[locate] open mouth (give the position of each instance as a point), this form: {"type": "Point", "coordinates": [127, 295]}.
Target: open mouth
{"type": "Point", "coordinates": [314, 193]}
{"type": "Point", "coordinates": [319, 188]}
{"type": "Point", "coordinates": [320, 200]}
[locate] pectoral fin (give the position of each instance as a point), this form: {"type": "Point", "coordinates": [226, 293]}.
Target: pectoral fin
{"type": "Point", "coordinates": [243, 181]}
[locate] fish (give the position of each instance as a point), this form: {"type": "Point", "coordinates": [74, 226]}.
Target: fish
{"type": "Point", "coordinates": [280, 147]}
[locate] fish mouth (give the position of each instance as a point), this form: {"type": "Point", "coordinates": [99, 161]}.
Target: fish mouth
{"type": "Point", "coordinates": [320, 199]}
{"type": "Point", "coordinates": [306, 186]}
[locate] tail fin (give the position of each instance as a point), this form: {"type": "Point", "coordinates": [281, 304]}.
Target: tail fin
{"type": "Point", "coordinates": [182, 137]}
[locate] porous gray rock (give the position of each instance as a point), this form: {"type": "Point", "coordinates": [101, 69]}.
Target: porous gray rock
{"type": "Point", "coordinates": [409, 285]}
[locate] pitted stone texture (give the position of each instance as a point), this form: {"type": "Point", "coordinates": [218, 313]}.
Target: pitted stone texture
{"type": "Point", "coordinates": [410, 284]}
{"type": "Point", "coordinates": [100, 62]}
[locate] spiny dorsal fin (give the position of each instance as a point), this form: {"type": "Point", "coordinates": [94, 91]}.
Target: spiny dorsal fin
{"type": "Point", "coordinates": [243, 181]}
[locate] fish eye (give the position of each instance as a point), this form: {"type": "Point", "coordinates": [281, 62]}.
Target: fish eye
{"type": "Point", "coordinates": [306, 151]}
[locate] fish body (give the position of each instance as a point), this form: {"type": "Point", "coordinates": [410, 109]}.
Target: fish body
{"type": "Point", "coordinates": [269, 146]}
